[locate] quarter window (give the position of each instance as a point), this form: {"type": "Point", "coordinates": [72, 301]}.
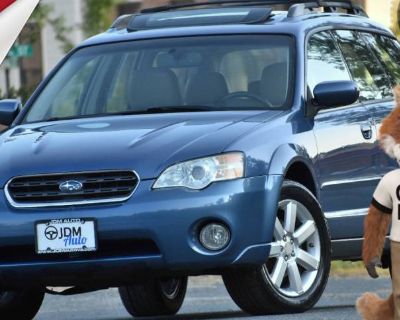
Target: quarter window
{"type": "Point", "coordinates": [366, 70]}
{"type": "Point", "coordinates": [325, 62]}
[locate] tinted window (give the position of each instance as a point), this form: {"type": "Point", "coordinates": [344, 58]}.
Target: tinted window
{"type": "Point", "coordinates": [325, 62]}
{"type": "Point", "coordinates": [366, 70]}
{"type": "Point", "coordinates": [388, 52]}
{"type": "Point", "coordinates": [392, 46]}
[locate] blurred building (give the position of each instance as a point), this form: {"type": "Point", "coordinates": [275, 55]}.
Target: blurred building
{"type": "Point", "coordinates": [33, 59]}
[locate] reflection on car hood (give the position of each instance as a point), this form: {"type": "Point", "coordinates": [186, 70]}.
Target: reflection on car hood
{"type": "Point", "coordinates": [145, 143]}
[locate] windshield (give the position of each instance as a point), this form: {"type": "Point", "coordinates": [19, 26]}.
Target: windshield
{"type": "Point", "coordinates": [206, 73]}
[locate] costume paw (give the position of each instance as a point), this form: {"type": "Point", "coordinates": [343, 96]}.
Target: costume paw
{"type": "Point", "coordinates": [371, 307]}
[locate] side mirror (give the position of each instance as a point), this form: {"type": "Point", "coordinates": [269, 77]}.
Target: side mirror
{"type": "Point", "coordinates": [332, 94]}
{"type": "Point", "coordinates": [9, 110]}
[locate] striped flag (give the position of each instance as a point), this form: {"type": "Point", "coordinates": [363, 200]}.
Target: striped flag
{"type": "Point", "coordinates": [13, 16]}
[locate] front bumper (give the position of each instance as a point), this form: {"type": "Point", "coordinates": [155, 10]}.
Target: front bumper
{"type": "Point", "coordinates": [155, 231]}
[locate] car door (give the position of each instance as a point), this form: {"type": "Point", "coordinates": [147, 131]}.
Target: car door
{"type": "Point", "coordinates": [387, 50]}
{"type": "Point", "coordinates": [344, 136]}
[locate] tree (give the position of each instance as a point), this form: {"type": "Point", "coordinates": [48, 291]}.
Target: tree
{"type": "Point", "coordinates": [41, 16]}
{"type": "Point", "coordinates": [98, 17]}
{"type": "Point", "coordinates": [396, 17]}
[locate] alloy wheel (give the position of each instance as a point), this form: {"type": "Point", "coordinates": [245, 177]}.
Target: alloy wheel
{"type": "Point", "coordinates": [292, 266]}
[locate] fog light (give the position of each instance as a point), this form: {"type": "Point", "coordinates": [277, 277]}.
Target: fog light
{"type": "Point", "coordinates": [214, 236]}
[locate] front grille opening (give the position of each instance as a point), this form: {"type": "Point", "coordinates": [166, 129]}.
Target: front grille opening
{"type": "Point", "coordinates": [96, 186]}
{"type": "Point", "coordinates": [106, 249]}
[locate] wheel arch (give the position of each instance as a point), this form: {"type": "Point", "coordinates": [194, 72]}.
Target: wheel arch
{"type": "Point", "coordinates": [294, 163]}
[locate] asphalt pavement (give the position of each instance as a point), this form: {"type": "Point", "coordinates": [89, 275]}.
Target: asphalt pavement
{"type": "Point", "coordinates": [207, 299]}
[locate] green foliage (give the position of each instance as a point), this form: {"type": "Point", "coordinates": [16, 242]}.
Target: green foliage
{"type": "Point", "coordinates": [97, 16]}
{"type": "Point", "coordinates": [22, 93]}
{"type": "Point", "coordinates": [41, 16]}
{"type": "Point", "coordinates": [61, 32]}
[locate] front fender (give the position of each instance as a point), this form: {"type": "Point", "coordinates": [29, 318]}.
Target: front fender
{"type": "Point", "coordinates": [288, 154]}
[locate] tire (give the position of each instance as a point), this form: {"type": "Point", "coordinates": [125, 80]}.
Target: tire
{"type": "Point", "coordinates": [301, 282]}
{"type": "Point", "coordinates": [21, 305]}
{"type": "Point", "coordinates": [155, 297]}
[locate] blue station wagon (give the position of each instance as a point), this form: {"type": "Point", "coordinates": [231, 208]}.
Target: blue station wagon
{"type": "Point", "coordinates": [230, 137]}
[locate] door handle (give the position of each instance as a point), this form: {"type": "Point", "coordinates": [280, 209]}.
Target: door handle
{"type": "Point", "coordinates": [366, 130]}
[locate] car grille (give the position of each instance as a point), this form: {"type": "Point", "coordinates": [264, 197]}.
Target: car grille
{"type": "Point", "coordinates": [97, 187]}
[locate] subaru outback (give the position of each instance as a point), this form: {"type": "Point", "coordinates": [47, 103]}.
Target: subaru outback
{"type": "Point", "coordinates": [226, 138]}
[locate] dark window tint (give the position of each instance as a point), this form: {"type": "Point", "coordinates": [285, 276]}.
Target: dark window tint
{"type": "Point", "coordinates": [366, 70]}
{"type": "Point", "coordinates": [387, 50]}
{"type": "Point", "coordinates": [325, 62]}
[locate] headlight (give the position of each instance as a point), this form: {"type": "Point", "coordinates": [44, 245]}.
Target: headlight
{"type": "Point", "coordinates": [198, 174]}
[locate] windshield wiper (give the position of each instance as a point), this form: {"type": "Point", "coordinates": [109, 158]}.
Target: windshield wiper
{"type": "Point", "coordinates": [179, 109]}
{"type": "Point", "coordinates": [152, 110]}
{"type": "Point", "coordinates": [155, 110]}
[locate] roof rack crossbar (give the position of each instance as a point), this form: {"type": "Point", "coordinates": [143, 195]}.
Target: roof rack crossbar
{"type": "Point", "coordinates": [297, 8]}
{"type": "Point", "coordinates": [219, 3]}
{"type": "Point", "coordinates": [254, 16]}
{"type": "Point", "coordinates": [347, 4]}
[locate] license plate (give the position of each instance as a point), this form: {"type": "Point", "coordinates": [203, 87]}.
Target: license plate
{"type": "Point", "coordinates": [66, 235]}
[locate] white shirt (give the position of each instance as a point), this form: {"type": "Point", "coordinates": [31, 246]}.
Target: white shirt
{"type": "Point", "coordinates": [386, 199]}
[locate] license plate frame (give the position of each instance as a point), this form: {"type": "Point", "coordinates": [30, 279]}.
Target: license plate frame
{"type": "Point", "coordinates": [77, 246]}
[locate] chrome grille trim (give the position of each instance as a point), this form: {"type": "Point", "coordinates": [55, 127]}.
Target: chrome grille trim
{"type": "Point", "coordinates": [16, 204]}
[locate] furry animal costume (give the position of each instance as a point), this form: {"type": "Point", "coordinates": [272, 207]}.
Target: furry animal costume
{"type": "Point", "coordinates": [384, 209]}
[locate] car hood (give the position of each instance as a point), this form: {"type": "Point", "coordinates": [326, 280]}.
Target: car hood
{"type": "Point", "coordinates": [147, 144]}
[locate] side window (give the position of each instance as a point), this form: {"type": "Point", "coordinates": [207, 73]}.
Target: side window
{"type": "Point", "coordinates": [392, 47]}
{"type": "Point", "coordinates": [325, 62]}
{"type": "Point", "coordinates": [364, 67]}
{"type": "Point", "coordinates": [388, 51]}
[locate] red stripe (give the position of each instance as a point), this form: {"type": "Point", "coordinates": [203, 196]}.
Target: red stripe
{"type": "Point", "coordinates": [5, 3]}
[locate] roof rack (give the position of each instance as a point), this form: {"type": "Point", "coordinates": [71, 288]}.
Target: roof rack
{"type": "Point", "coordinates": [328, 6]}
{"type": "Point", "coordinates": [300, 9]}
{"type": "Point", "coordinates": [213, 3]}
{"type": "Point", "coordinates": [122, 22]}
{"type": "Point", "coordinates": [297, 8]}
{"type": "Point", "coordinates": [207, 17]}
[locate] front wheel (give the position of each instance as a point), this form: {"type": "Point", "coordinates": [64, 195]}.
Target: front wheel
{"type": "Point", "coordinates": [296, 272]}
{"type": "Point", "coordinates": [157, 297]}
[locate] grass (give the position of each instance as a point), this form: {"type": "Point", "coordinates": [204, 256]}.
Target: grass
{"type": "Point", "coordinates": [353, 269]}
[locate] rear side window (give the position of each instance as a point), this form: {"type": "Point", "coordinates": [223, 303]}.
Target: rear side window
{"type": "Point", "coordinates": [366, 70]}
{"type": "Point", "coordinates": [325, 61]}
{"type": "Point", "coordinates": [388, 51]}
